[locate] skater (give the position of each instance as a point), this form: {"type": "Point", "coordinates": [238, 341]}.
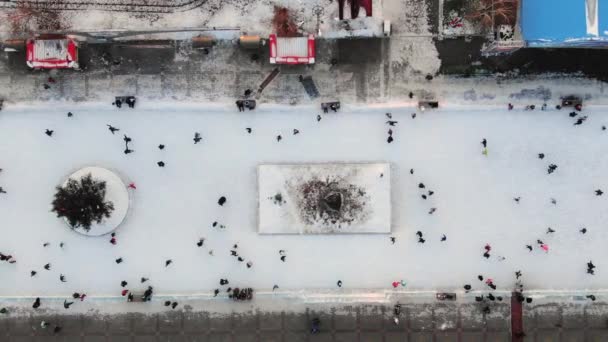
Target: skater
{"type": "Point", "coordinates": [599, 192]}
{"type": "Point", "coordinates": [49, 132]}
{"type": "Point", "coordinates": [318, 117]}
{"type": "Point", "coordinates": [545, 247]}
{"type": "Point", "coordinates": [2, 191]}
{"type": "Point", "coordinates": [283, 257]}
{"type": "Point", "coordinates": [484, 142]}
{"type": "Point", "coordinates": [216, 292]}
{"type": "Point", "coordinates": [174, 305]}
{"type": "Point", "coordinates": [389, 139]}
{"type": "Point", "coordinates": [516, 199]}
{"type": "Point", "coordinates": [143, 280]}
{"type": "Point", "coordinates": [47, 267]}
{"type": "Point", "coordinates": [123, 283]}
{"type": "Point", "coordinates": [197, 137]}
{"type": "Point", "coordinates": [112, 128]}
{"type": "Point", "coordinates": [221, 201]}
{"type": "Point", "coordinates": [391, 122]}
{"type": "Point", "coordinates": [389, 115]}
{"type": "Point", "coordinates": [393, 239]}
{"type": "Point", "coordinates": [62, 278]}
{"type": "Point", "coordinates": [132, 186]}
{"type": "Point", "coordinates": [578, 107]}
{"type": "Point", "coordinates": [549, 230]}
{"type": "Point", "coordinates": [57, 329]}
{"type": "Point", "coordinates": [467, 288]}
{"type": "Point", "coordinates": [168, 262]}
{"type": "Point", "coordinates": [583, 230]}
{"type": "Point", "coordinates": [551, 169]}
{"type": "Point", "coordinates": [33, 273]}
{"type": "Point", "coordinates": [432, 211]}
{"type": "Point", "coordinates": [396, 313]}
{"type": "Point", "coordinates": [147, 294]}
{"type": "Point", "coordinates": [580, 120]}
{"type": "Point", "coordinates": [316, 324]}
{"type": "Point", "coordinates": [443, 238]}
{"type": "Point", "coordinates": [66, 304]}
{"type": "Point", "coordinates": [70, 114]}
{"type": "Point", "coordinates": [541, 155]}
{"type": "Point", "coordinates": [240, 105]}
{"type": "Point", "coordinates": [223, 282]}
{"type": "Point", "coordinates": [126, 139]}
{"type": "Point", "coordinates": [200, 242]}
{"type": "Point", "coordinates": [572, 114]}
{"type": "Point", "coordinates": [279, 137]}
{"type": "Point", "coordinates": [248, 129]}
{"type": "Point", "coordinates": [510, 106]}
{"type": "Point", "coordinates": [36, 304]}
{"type": "Point", "coordinates": [553, 201]}
{"type": "Point", "coordinates": [161, 164]}
{"type": "Point", "coordinates": [119, 260]}
{"type": "Point", "coordinates": [128, 151]}
{"type": "Point", "coordinates": [113, 239]}
{"type": "Point", "coordinates": [44, 324]}
{"type": "Point", "coordinates": [161, 147]}
{"type": "Point", "coordinates": [543, 107]}
{"type": "Point", "coordinates": [339, 283]}
{"type": "Point", "coordinates": [295, 131]}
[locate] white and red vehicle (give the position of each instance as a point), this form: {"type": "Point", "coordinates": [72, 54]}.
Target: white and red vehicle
{"type": "Point", "coordinates": [55, 53]}
{"type": "Point", "coordinates": [292, 50]}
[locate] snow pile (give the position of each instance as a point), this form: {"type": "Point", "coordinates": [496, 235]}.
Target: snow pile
{"type": "Point", "coordinates": [327, 198]}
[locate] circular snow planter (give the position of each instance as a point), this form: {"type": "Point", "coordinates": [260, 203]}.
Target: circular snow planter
{"type": "Point", "coordinates": [114, 197]}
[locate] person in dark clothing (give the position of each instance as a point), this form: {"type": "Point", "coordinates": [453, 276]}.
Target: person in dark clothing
{"type": "Point", "coordinates": [318, 118]}
{"type": "Point", "coordinates": [510, 106]}
{"type": "Point", "coordinates": [410, 95]}
{"type": "Point", "coordinates": [592, 297]}
{"type": "Point", "coordinates": [583, 230]}
{"type": "Point", "coordinates": [279, 137]}
{"type": "Point", "coordinates": [484, 142]}
{"type": "Point", "coordinates": [421, 240]}
{"type": "Point", "coordinates": [36, 304]}
{"type": "Point", "coordinates": [517, 274]}
{"type": "Point", "coordinates": [128, 151]}
{"type": "Point", "coordinates": [339, 283]}
{"type": "Point", "coordinates": [66, 304]}
{"type": "Point", "coordinates": [467, 288]}
{"type": "Point", "coordinates": [283, 258]}
{"type": "Point", "coordinates": [541, 155]}
{"type": "Point", "coordinates": [119, 260]}
{"type": "Point", "coordinates": [161, 164]}
{"type": "Point", "coordinates": [148, 294]}
{"type": "Point", "coordinates": [549, 230]}
{"type": "Point", "coordinates": [70, 114]}
{"type": "Point", "coordinates": [216, 292]}
{"type": "Point", "coordinates": [419, 234]}
{"type": "Point", "coordinates": [599, 192]}
{"type": "Point", "coordinates": [316, 326]}
{"type": "Point", "coordinates": [62, 278]}
{"type": "Point", "coordinates": [572, 114]}
{"type": "Point", "coordinates": [580, 120]}
{"type": "Point", "coordinates": [393, 239]}
{"type": "Point", "coordinates": [479, 298]}
{"type": "Point", "coordinates": [168, 262]}
{"type": "Point", "coordinates": [248, 129]}
{"type": "Point", "coordinates": [33, 273]}
{"type": "Point", "coordinates": [123, 283]}
{"type": "Point", "coordinates": [240, 105]}
{"type": "Point", "coordinates": [223, 282]}
{"type": "Point", "coordinates": [47, 267]}
{"type": "Point", "coordinates": [126, 139]}
{"type": "Point", "coordinates": [49, 132]}
{"type": "Point", "coordinates": [516, 199]}
{"type": "Point", "coordinates": [221, 201]}
{"type": "Point", "coordinates": [443, 238]}
{"type": "Point", "coordinates": [2, 191]}
{"type": "Point", "coordinates": [480, 277]}
{"type": "Point", "coordinates": [248, 92]}
{"type": "Point", "coordinates": [391, 122]}
{"type": "Point", "coordinates": [161, 147]}
{"type": "Point", "coordinates": [143, 280]}
{"type": "Point", "coordinates": [112, 129]}
{"type": "Point", "coordinates": [389, 139]}
{"type": "Point", "coordinates": [57, 329]}
{"type": "Point", "coordinates": [167, 302]}
{"type": "Point", "coordinates": [200, 242]}
{"type": "Point", "coordinates": [552, 168]}
{"type": "Point", "coordinates": [173, 305]}
{"type": "Point", "coordinates": [295, 131]}
{"type": "Point", "coordinates": [197, 137]}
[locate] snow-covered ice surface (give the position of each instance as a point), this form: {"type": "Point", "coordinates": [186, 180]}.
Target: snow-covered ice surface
{"type": "Point", "coordinates": [292, 199]}
{"type": "Point", "coordinates": [176, 205]}
{"type": "Point", "coordinates": [116, 193]}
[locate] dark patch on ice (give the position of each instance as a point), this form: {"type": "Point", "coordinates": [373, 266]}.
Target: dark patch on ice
{"type": "Point", "coordinates": [540, 93]}
{"type": "Point", "coordinates": [277, 199]}
{"type": "Point", "coordinates": [334, 202]}
{"type": "Point", "coordinates": [487, 96]}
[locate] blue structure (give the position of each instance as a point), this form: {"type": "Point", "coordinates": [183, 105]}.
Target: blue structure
{"type": "Point", "coordinates": [564, 23]}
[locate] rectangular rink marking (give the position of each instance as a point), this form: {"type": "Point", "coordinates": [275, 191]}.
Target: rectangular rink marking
{"type": "Point", "coordinates": [336, 198]}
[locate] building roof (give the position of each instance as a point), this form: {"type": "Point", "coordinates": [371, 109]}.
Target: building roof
{"type": "Point", "coordinates": [565, 23]}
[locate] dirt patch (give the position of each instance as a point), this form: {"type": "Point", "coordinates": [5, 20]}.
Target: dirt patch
{"type": "Point", "coordinates": [283, 24]}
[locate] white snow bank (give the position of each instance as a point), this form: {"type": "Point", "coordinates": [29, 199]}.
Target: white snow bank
{"type": "Point", "coordinates": [291, 198]}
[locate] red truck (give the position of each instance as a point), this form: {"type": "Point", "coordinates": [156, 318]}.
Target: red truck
{"type": "Point", "coordinates": [52, 53]}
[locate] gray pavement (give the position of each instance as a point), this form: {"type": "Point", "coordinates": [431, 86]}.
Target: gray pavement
{"type": "Point", "coordinates": [418, 322]}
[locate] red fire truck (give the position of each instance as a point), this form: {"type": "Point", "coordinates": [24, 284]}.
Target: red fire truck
{"type": "Point", "coordinates": [52, 53]}
{"type": "Point", "coordinates": [292, 50]}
